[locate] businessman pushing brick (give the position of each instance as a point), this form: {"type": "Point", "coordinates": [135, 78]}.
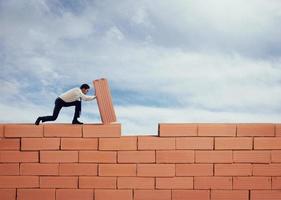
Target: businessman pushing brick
{"type": "Point", "coordinates": [74, 96]}
{"type": "Point", "coordinates": [71, 97]}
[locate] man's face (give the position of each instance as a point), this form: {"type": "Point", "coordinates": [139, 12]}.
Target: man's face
{"type": "Point", "coordinates": [85, 91]}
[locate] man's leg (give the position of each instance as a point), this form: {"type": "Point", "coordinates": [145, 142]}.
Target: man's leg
{"type": "Point", "coordinates": [57, 108]}
{"type": "Point", "coordinates": [77, 112]}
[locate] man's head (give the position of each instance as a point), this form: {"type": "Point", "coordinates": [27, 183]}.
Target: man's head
{"type": "Point", "coordinates": [84, 88]}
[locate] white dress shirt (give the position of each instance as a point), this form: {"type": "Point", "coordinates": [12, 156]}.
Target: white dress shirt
{"type": "Point", "coordinates": [75, 94]}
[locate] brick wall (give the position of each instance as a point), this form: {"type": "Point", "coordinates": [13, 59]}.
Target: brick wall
{"type": "Point", "coordinates": [186, 161]}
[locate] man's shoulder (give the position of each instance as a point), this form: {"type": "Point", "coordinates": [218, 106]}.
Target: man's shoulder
{"type": "Point", "coordinates": [73, 90]}
{"type": "Point", "coordinates": [76, 88]}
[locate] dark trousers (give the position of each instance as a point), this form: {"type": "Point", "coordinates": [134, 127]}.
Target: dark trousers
{"type": "Point", "coordinates": [59, 103]}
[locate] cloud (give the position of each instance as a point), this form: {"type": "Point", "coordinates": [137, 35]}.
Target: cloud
{"type": "Point", "coordinates": [226, 26]}
{"type": "Point", "coordinates": [180, 61]}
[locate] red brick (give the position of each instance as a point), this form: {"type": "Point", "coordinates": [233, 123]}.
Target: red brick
{"type": "Point", "coordinates": [152, 195]}
{"type": "Point", "coordinates": [213, 156]}
{"type": "Point", "coordinates": [194, 169]}
{"type": "Point", "coordinates": [276, 156]}
{"type": "Point", "coordinates": [8, 194]}
{"type": "Point", "coordinates": [123, 143]}
{"type": "Point", "coordinates": [136, 156]}
{"type": "Point", "coordinates": [229, 195]}
{"type": "Point", "coordinates": [268, 143]}
{"type": "Point", "coordinates": [265, 195]}
{"type": "Point", "coordinates": [97, 156]}
{"type": "Point", "coordinates": [174, 183]}
{"type": "Point", "coordinates": [156, 170]}
{"type": "Point", "coordinates": [195, 143]}
{"type": "Point", "coordinates": [278, 130]}
{"type": "Point", "coordinates": [58, 182]}
{"type": "Point", "coordinates": [1, 131]}
{"type": "Point", "coordinates": [249, 183]}
{"type": "Point", "coordinates": [234, 143]}
{"type": "Point", "coordinates": [251, 156]}
{"type": "Point", "coordinates": [151, 143]}
{"type": "Point", "coordinates": [19, 181]}
{"type": "Point", "coordinates": [61, 130]}
{"type": "Point", "coordinates": [276, 183]}
{"type": "Point", "coordinates": [39, 169]}
{"type": "Point", "coordinates": [135, 183]}
{"type": "Point", "coordinates": [117, 194]}
{"type": "Point", "coordinates": [9, 144]}
{"type": "Point", "coordinates": [74, 194]}
{"type": "Point", "coordinates": [216, 129]}
{"type": "Point", "coordinates": [167, 130]}
{"type": "Point", "coordinates": [58, 156]}
{"type": "Point", "coordinates": [97, 182]}
{"type": "Point", "coordinates": [35, 194]}
{"type": "Point", "coordinates": [212, 183]}
{"type": "Point", "coordinates": [79, 143]}
{"type": "Point", "coordinates": [23, 130]}
{"type": "Point", "coordinates": [18, 156]}
{"type": "Point", "coordinates": [255, 130]}
{"type": "Point", "coordinates": [190, 194]}
{"type": "Point", "coordinates": [117, 170]}
{"type": "Point", "coordinates": [9, 169]}
{"type": "Point", "coordinates": [78, 169]}
{"type": "Point", "coordinates": [267, 170]}
{"type": "Point", "coordinates": [233, 169]}
{"type": "Point", "coordinates": [179, 156]}
{"type": "Point", "coordinates": [102, 130]}
{"type": "Point", "coordinates": [40, 143]}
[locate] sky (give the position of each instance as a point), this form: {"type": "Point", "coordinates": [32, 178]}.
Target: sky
{"type": "Point", "coordinates": [167, 61]}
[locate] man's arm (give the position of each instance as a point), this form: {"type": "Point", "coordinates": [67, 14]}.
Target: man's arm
{"type": "Point", "coordinates": [86, 97]}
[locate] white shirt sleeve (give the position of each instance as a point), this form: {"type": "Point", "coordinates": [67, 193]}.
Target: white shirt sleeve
{"type": "Point", "coordinates": [86, 97]}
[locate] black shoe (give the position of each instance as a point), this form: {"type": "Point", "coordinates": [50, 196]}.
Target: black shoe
{"type": "Point", "coordinates": [38, 121]}
{"type": "Point", "coordinates": [76, 122]}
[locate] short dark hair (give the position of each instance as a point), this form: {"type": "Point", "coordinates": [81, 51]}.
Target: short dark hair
{"type": "Point", "coordinates": [84, 86]}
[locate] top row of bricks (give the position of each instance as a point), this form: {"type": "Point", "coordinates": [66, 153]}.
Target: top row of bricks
{"type": "Point", "coordinates": [165, 130]}
{"type": "Point", "coordinates": [60, 130]}
{"type": "Point", "coordinates": [231, 130]}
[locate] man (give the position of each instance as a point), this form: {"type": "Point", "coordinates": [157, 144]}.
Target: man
{"type": "Point", "coordinates": [70, 98]}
